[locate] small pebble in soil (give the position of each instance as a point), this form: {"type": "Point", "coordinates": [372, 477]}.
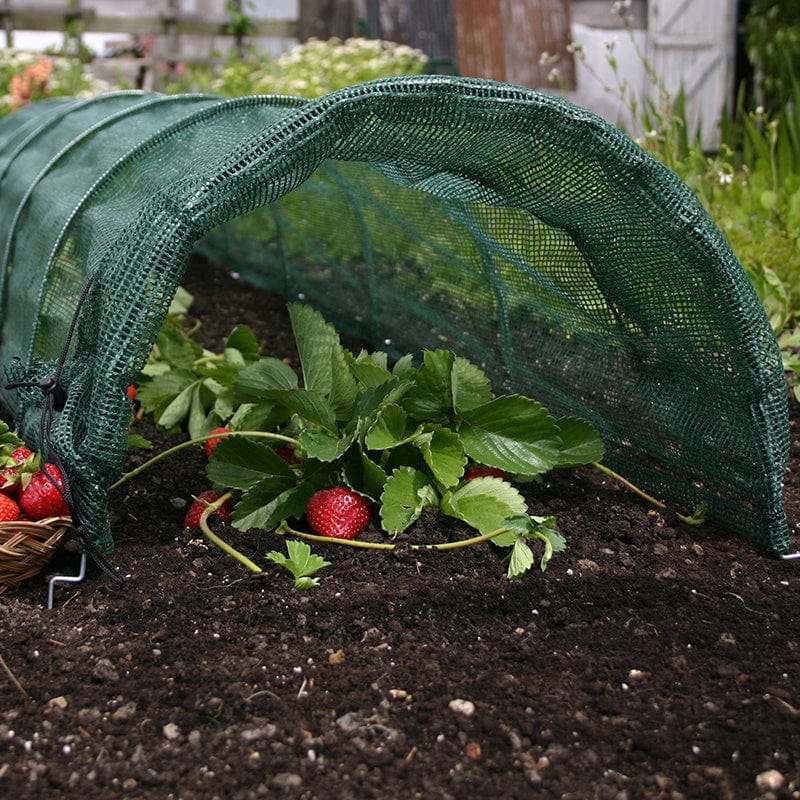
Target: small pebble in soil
{"type": "Point", "coordinates": [464, 707]}
{"type": "Point", "coordinates": [770, 781]}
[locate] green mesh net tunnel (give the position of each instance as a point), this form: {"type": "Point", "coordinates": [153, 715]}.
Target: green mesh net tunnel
{"type": "Point", "coordinates": [508, 225]}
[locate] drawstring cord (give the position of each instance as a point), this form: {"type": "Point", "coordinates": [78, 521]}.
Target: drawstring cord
{"type": "Point", "coordinates": [55, 399]}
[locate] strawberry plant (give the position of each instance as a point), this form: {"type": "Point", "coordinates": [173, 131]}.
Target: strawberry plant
{"type": "Point", "coordinates": [399, 438]}
{"type": "Point", "coordinates": [301, 562]}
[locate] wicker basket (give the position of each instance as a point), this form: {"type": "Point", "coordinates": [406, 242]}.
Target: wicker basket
{"type": "Point", "coordinates": [26, 547]}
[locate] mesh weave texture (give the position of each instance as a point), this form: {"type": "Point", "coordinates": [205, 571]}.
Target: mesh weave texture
{"type": "Point", "coordinates": [511, 226]}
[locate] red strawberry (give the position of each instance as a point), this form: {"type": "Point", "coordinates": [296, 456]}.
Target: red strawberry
{"type": "Point", "coordinates": [22, 464]}
{"type": "Point", "coordinates": [205, 499]}
{"type": "Point", "coordinates": [210, 444]}
{"type": "Point", "coordinates": [286, 452]}
{"type": "Point", "coordinates": [484, 472]}
{"type": "Point", "coordinates": [131, 392]}
{"type": "Point", "coordinates": [40, 498]}
{"type": "Point", "coordinates": [338, 513]}
{"type": "Point", "coordinates": [9, 510]}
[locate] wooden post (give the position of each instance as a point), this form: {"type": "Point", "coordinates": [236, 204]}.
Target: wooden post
{"type": "Point", "coordinates": [8, 24]}
{"type": "Point", "coordinates": [324, 19]}
{"type": "Point", "coordinates": [507, 40]}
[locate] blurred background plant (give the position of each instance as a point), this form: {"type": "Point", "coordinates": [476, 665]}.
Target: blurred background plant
{"type": "Point", "coordinates": [27, 77]}
{"type": "Point", "coordinates": [310, 69]}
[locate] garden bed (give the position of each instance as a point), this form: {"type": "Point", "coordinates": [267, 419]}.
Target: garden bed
{"type": "Point", "coordinates": [651, 660]}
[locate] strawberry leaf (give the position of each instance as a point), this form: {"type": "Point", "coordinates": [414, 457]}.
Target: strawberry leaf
{"type": "Point", "coordinates": [406, 493]}
{"type": "Point", "coordinates": [520, 560]}
{"type": "Point", "coordinates": [369, 369]}
{"type": "Point", "coordinates": [362, 474]}
{"type": "Point", "coordinates": [470, 386]}
{"type": "Point", "coordinates": [514, 433]}
{"type": "Point", "coordinates": [430, 399]}
{"type": "Point", "coordinates": [484, 503]}
{"type": "Point", "coordinates": [325, 446]}
{"type": "Point", "coordinates": [580, 442]}
{"type": "Point", "coordinates": [322, 358]}
{"type": "Point", "coordinates": [390, 428]}
{"type": "Point", "coordinates": [307, 404]}
{"type": "Point", "coordinates": [238, 463]}
{"type": "Point", "coordinates": [262, 375]}
{"type": "Point", "coordinates": [443, 453]}
{"type": "Point", "coordinates": [178, 409]}
{"type": "Point", "coordinates": [258, 417]}
{"type": "Point", "coordinates": [301, 562]}
{"type": "Point", "coordinates": [242, 340]}
{"type": "Point", "coordinates": [270, 502]}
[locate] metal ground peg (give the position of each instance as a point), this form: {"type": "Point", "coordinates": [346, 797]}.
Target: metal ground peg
{"type": "Point", "coordinates": [65, 579]}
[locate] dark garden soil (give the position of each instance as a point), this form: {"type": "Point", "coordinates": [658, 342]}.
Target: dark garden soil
{"type": "Point", "coordinates": [651, 660]}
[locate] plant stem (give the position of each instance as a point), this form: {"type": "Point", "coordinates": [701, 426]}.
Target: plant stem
{"type": "Point", "coordinates": [484, 537]}
{"type": "Point", "coordinates": [223, 545]}
{"type": "Point", "coordinates": [191, 443]}
{"type": "Point", "coordinates": [627, 484]}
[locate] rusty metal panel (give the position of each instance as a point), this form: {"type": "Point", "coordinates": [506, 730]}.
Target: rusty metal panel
{"type": "Point", "coordinates": [506, 39]}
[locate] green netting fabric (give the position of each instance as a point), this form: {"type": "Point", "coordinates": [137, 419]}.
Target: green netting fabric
{"type": "Point", "coordinates": [511, 226]}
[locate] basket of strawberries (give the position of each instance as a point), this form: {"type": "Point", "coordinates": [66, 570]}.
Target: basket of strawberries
{"type": "Point", "coordinates": [34, 516]}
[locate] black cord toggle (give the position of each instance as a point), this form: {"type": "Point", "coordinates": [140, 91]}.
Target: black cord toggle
{"type": "Point", "coordinates": [50, 388]}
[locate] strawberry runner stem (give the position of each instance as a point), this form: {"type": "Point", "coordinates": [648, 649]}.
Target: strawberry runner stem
{"type": "Point", "coordinates": [284, 528]}
{"type": "Point", "coordinates": [191, 443]}
{"type": "Point", "coordinates": [221, 543]}
{"type": "Point", "coordinates": [628, 485]}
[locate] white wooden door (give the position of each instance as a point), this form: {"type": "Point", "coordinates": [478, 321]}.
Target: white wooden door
{"type": "Point", "coordinates": [691, 44]}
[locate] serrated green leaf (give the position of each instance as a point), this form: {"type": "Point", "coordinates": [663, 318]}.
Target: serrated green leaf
{"type": "Point", "coordinates": [404, 367]}
{"type": "Point", "coordinates": [325, 446]}
{"type": "Point", "coordinates": [520, 560]}
{"type": "Point", "coordinates": [258, 417]}
{"type": "Point", "coordinates": [580, 442]}
{"type": "Point", "coordinates": [135, 442]}
{"type": "Point", "coordinates": [369, 369]}
{"type": "Point", "coordinates": [175, 347]}
{"type": "Point", "coordinates": [301, 562]}
{"type": "Point", "coordinates": [310, 406]}
{"type": "Point", "coordinates": [264, 375]}
{"type": "Point", "coordinates": [177, 411]}
{"type": "Point", "coordinates": [514, 433]}
{"type": "Point", "coordinates": [266, 505]}
{"type": "Point", "coordinates": [181, 302]}
{"type": "Point", "coordinates": [430, 398]}
{"type": "Point", "coordinates": [196, 422]}
{"type": "Point", "coordinates": [405, 494]}
{"type": "Point", "coordinates": [390, 428]}
{"type": "Point", "coordinates": [158, 392]}
{"type": "Point", "coordinates": [443, 453]}
{"type": "Point", "coordinates": [372, 398]}
{"type": "Point", "coordinates": [322, 358]}
{"type": "Point", "coordinates": [243, 340]}
{"type": "Point", "coordinates": [363, 475]}
{"type": "Point", "coordinates": [239, 463]}
{"type": "Point", "coordinates": [470, 385]}
{"type": "Point", "coordinates": [484, 503]}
